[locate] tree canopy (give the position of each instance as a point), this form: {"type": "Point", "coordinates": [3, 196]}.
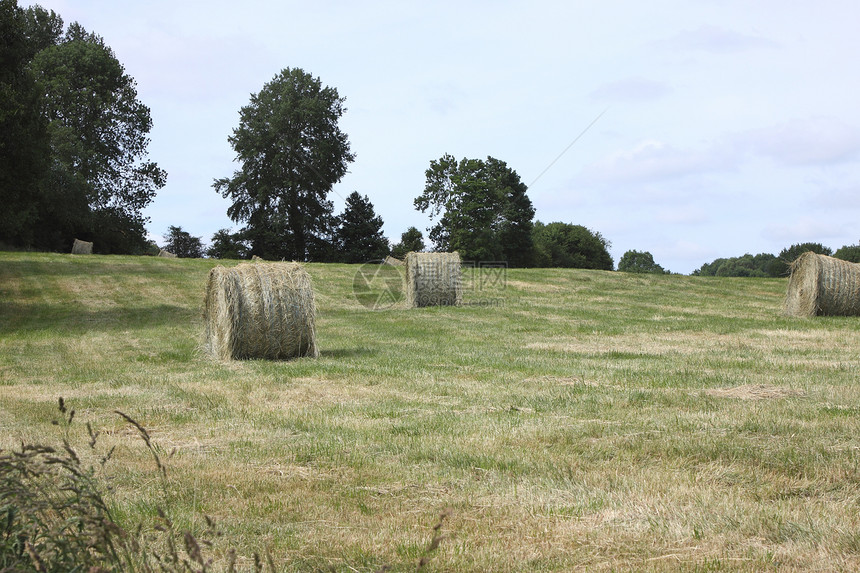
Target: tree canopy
{"type": "Point", "coordinates": [183, 244]}
{"type": "Point", "coordinates": [80, 138]}
{"type": "Point", "coordinates": [634, 261]}
{"type": "Point", "coordinates": [410, 240]}
{"type": "Point", "coordinates": [850, 253]}
{"type": "Point", "coordinates": [359, 237]}
{"type": "Point", "coordinates": [563, 245]}
{"type": "Point", "coordinates": [292, 153]}
{"type": "Point", "coordinates": [481, 208]}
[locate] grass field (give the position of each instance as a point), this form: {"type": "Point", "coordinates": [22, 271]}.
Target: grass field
{"type": "Point", "coordinates": [584, 420]}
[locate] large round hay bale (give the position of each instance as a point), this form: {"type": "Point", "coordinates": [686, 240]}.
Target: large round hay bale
{"type": "Point", "coordinates": [82, 248]}
{"type": "Point", "coordinates": [433, 279]}
{"type": "Point", "coordinates": [166, 254]}
{"type": "Point", "coordinates": [822, 285]}
{"type": "Point", "coordinates": [260, 310]}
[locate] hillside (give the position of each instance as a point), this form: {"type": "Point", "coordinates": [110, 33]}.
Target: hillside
{"type": "Point", "coordinates": [565, 418]}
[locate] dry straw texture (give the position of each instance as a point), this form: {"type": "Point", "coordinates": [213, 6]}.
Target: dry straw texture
{"type": "Point", "coordinates": [433, 279]}
{"type": "Point", "coordinates": [82, 248]}
{"type": "Point", "coordinates": [393, 261]}
{"type": "Point", "coordinates": [166, 254]}
{"type": "Point", "coordinates": [821, 285]}
{"type": "Point", "coordinates": [260, 310]}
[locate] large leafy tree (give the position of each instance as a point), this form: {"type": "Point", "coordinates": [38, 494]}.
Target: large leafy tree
{"type": "Point", "coordinates": [292, 153]}
{"type": "Point", "coordinates": [562, 245]}
{"type": "Point", "coordinates": [850, 253]}
{"type": "Point", "coordinates": [182, 243]}
{"type": "Point", "coordinates": [80, 138]}
{"type": "Point", "coordinates": [634, 261]}
{"type": "Point", "coordinates": [24, 148]}
{"type": "Point", "coordinates": [100, 179]}
{"type": "Point", "coordinates": [359, 235]}
{"type": "Point", "coordinates": [410, 240]}
{"type": "Point", "coordinates": [761, 265]}
{"type": "Point", "coordinates": [482, 209]}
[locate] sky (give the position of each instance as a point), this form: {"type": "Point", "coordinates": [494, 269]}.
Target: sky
{"type": "Point", "coordinates": [691, 129]}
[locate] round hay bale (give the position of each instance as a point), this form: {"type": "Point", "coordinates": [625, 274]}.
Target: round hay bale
{"type": "Point", "coordinates": [166, 254]}
{"type": "Point", "coordinates": [433, 279]}
{"type": "Point", "coordinates": [260, 310]}
{"type": "Point", "coordinates": [393, 261]}
{"type": "Point", "coordinates": [822, 285]}
{"type": "Point", "coordinates": [82, 248]}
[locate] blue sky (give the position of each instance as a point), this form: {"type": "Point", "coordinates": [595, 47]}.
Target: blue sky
{"type": "Point", "coordinates": [727, 126]}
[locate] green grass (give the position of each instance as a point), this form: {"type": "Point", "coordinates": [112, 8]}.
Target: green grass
{"type": "Point", "coordinates": [584, 420]}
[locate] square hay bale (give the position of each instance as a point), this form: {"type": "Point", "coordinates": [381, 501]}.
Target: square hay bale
{"type": "Point", "coordinates": [260, 310]}
{"type": "Point", "coordinates": [822, 285]}
{"type": "Point", "coordinates": [82, 248]}
{"type": "Point", "coordinates": [433, 279]}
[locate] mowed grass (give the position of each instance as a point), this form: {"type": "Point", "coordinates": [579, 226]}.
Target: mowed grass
{"type": "Point", "coordinates": [566, 419]}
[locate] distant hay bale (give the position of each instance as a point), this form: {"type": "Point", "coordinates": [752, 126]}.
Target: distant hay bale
{"type": "Point", "coordinates": [394, 262]}
{"type": "Point", "coordinates": [166, 254]}
{"type": "Point", "coordinates": [256, 258]}
{"type": "Point", "coordinates": [260, 310]}
{"type": "Point", "coordinates": [822, 285]}
{"type": "Point", "coordinates": [82, 248]}
{"type": "Point", "coordinates": [433, 279]}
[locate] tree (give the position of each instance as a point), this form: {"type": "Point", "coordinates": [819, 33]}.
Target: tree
{"type": "Point", "coordinates": [562, 245]}
{"type": "Point", "coordinates": [292, 153]}
{"type": "Point", "coordinates": [182, 244]}
{"type": "Point", "coordinates": [359, 235]}
{"type": "Point", "coordinates": [411, 240]}
{"type": "Point", "coordinates": [80, 138]}
{"type": "Point", "coordinates": [24, 143]}
{"type": "Point", "coordinates": [850, 253]}
{"type": "Point", "coordinates": [227, 245]}
{"type": "Point", "coordinates": [761, 265]}
{"type": "Point", "coordinates": [639, 262]}
{"type": "Point", "coordinates": [790, 254]}
{"type": "Point", "coordinates": [482, 208]}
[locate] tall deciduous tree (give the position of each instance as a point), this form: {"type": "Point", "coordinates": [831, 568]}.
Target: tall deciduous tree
{"type": "Point", "coordinates": [482, 208]}
{"type": "Point", "coordinates": [359, 235]}
{"type": "Point", "coordinates": [182, 244]}
{"type": "Point", "coordinates": [562, 245]}
{"type": "Point", "coordinates": [410, 240]}
{"type": "Point", "coordinates": [24, 148]}
{"type": "Point", "coordinates": [292, 153]}
{"type": "Point", "coordinates": [100, 177]}
{"type": "Point", "coordinates": [634, 261]}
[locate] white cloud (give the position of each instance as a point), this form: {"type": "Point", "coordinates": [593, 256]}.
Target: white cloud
{"type": "Point", "coordinates": [817, 141]}
{"type": "Point", "coordinates": [653, 160]}
{"type": "Point", "coordinates": [717, 40]}
{"type": "Point", "coordinates": [631, 90]}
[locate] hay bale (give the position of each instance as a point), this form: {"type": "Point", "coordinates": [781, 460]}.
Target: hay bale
{"type": "Point", "coordinates": [260, 310]}
{"type": "Point", "coordinates": [393, 261]}
{"type": "Point", "coordinates": [822, 285]}
{"type": "Point", "coordinates": [433, 279]}
{"type": "Point", "coordinates": [82, 248]}
{"type": "Point", "coordinates": [166, 254]}
{"type": "Point", "coordinates": [256, 258]}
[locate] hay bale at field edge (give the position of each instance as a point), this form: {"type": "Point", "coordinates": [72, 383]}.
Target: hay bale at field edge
{"type": "Point", "coordinates": [166, 254]}
{"type": "Point", "coordinates": [433, 279]}
{"type": "Point", "coordinates": [260, 310]}
{"type": "Point", "coordinates": [393, 261]}
{"type": "Point", "coordinates": [82, 248]}
{"type": "Point", "coordinates": [822, 285]}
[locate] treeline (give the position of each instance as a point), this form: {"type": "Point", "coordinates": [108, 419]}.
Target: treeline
{"type": "Point", "coordinates": [769, 265]}
{"type": "Point", "coordinates": [73, 138]}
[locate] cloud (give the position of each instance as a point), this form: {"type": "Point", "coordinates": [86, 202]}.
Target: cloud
{"type": "Point", "coordinates": [631, 90]}
{"type": "Point", "coordinates": [653, 160]}
{"type": "Point", "coordinates": [807, 229]}
{"type": "Point", "coordinates": [717, 40]}
{"type": "Point", "coordinates": [819, 141]}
